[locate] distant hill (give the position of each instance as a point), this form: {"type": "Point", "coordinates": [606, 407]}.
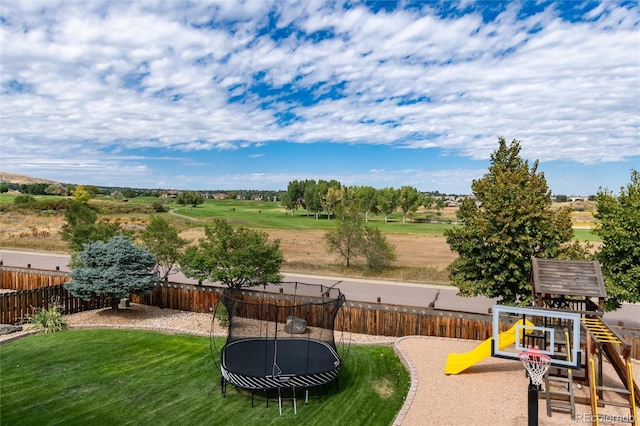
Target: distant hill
{"type": "Point", "coordinates": [22, 179]}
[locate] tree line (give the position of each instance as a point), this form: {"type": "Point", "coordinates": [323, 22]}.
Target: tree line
{"type": "Point", "coordinates": [331, 198]}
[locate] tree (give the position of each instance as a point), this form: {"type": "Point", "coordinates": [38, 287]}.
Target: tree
{"type": "Point", "coordinates": [294, 196]}
{"type": "Point", "coordinates": [81, 195]}
{"type": "Point", "coordinates": [512, 222]}
{"type": "Point", "coordinates": [433, 203]}
{"type": "Point", "coordinates": [92, 190]}
{"type": "Point", "coordinates": [377, 250]}
{"type": "Point", "coordinates": [236, 256]}
{"type": "Point", "coordinates": [56, 189]}
{"type": "Point", "coordinates": [33, 188]}
{"type": "Point", "coordinates": [619, 255]}
{"type": "Point", "coordinates": [346, 237]}
{"type": "Point", "coordinates": [409, 199]}
{"type": "Point", "coordinates": [165, 199]}
{"type": "Point", "coordinates": [189, 198]}
{"type": "Point", "coordinates": [351, 238]}
{"type": "Point", "coordinates": [129, 193]}
{"type": "Point", "coordinates": [82, 226]}
{"type": "Point", "coordinates": [312, 198]}
{"type": "Point", "coordinates": [162, 239]}
{"type": "Point", "coordinates": [287, 202]}
{"type": "Point", "coordinates": [116, 269]}
{"type": "Point", "coordinates": [387, 201]}
{"type": "Point", "coordinates": [332, 199]}
{"type": "Point", "coordinates": [366, 198]}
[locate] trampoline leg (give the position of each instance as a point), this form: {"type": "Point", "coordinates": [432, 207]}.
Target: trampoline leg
{"type": "Point", "coordinates": [223, 387]}
{"type": "Point", "coordinates": [293, 398]}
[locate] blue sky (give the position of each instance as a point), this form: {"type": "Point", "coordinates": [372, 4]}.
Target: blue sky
{"type": "Point", "coordinates": [254, 94]}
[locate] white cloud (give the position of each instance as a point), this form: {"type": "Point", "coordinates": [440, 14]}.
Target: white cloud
{"type": "Point", "coordinates": [155, 75]}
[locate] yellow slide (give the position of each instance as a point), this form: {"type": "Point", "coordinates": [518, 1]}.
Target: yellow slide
{"type": "Point", "coordinates": [460, 362]}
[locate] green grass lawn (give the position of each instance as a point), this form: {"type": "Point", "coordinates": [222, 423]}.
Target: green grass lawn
{"type": "Point", "coordinates": [116, 377]}
{"type": "Point", "coordinates": [262, 214]}
{"type": "Point", "coordinates": [585, 235]}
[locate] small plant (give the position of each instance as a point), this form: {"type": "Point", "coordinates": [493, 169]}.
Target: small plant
{"type": "Point", "coordinates": [50, 320]}
{"type": "Point", "coordinates": [222, 315]}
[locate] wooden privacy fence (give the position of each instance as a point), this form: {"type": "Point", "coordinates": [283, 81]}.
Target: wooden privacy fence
{"type": "Point", "coordinates": [363, 318]}
{"type": "Point", "coordinates": [183, 297]}
{"type": "Point", "coordinates": [354, 317]}
{"type": "Point", "coordinates": [19, 305]}
{"type": "Point", "coordinates": [30, 279]}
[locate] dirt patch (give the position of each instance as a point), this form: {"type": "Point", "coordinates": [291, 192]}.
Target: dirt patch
{"type": "Point", "coordinates": [383, 388]}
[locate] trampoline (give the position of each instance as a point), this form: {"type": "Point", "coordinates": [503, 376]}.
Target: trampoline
{"type": "Point", "coordinates": [260, 364]}
{"type": "Point", "coordinates": [277, 341]}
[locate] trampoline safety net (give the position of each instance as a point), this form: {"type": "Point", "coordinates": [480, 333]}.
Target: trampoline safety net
{"type": "Point", "coordinates": [279, 340]}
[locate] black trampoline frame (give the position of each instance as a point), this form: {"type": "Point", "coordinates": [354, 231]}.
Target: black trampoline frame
{"type": "Point", "coordinates": [264, 364]}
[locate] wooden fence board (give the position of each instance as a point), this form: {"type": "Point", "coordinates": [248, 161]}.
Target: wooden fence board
{"type": "Point", "coordinates": [354, 317]}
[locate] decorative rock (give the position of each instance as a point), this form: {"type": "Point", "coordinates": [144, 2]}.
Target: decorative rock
{"type": "Point", "coordinates": [295, 325]}
{"type": "Point", "coordinates": [8, 328]}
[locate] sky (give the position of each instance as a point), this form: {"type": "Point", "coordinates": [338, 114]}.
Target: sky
{"type": "Point", "coordinates": [254, 94]}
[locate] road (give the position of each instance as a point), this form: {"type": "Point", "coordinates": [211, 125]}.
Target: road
{"type": "Point", "coordinates": [355, 290]}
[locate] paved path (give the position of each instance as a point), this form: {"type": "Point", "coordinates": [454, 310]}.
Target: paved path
{"type": "Point", "coordinates": [355, 290]}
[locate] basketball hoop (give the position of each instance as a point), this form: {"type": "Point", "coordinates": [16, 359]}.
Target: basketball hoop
{"type": "Point", "coordinates": [536, 364]}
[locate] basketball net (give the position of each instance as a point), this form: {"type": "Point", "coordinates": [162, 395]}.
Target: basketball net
{"type": "Point", "coordinates": [536, 364]}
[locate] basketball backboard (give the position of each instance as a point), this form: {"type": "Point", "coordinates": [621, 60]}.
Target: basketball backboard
{"type": "Point", "coordinates": [555, 333]}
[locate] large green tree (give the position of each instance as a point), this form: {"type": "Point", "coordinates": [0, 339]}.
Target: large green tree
{"type": "Point", "coordinates": [189, 198]}
{"type": "Point", "coordinates": [117, 269]}
{"type": "Point", "coordinates": [409, 199]}
{"type": "Point", "coordinates": [294, 196]}
{"type": "Point", "coordinates": [387, 201]}
{"type": "Point", "coordinates": [619, 256]}
{"type": "Point", "coordinates": [162, 239]}
{"type": "Point", "coordinates": [332, 199]}
{"type": "Point", "coordinates": [367, 200]}
{"type": "Point", "coordinates": [511, 222]}
{"type": "Point", "coordinates": [235, 256]}
{"type": "Point", "coordinates": [313, 197]}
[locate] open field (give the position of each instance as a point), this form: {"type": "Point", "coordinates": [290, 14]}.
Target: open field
{"type": "Point", "coordinates": [422, 251]}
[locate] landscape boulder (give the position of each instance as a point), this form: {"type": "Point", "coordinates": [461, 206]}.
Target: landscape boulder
{"type": "Point", "coordinates": [8, 328]}
{"type": "Point", "coordinates": [295, 325]}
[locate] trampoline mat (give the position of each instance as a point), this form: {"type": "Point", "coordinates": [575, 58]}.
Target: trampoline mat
{"type": "Point", "coordinates": [259, 357]}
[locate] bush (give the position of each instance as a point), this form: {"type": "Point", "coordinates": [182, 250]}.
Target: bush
{"type": "Point", "coordinates": [222, 315]}
{"type": "Point", "coordinates": [113, 207]}
{"type": "Point", "coordinates": [158, 207]}
{"type": "Point", "coordinates": [29, 202]}
{"type": "Point", "coordinates": [24, 199]}
{"type": "Point", "coordinates": [50, 320]}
